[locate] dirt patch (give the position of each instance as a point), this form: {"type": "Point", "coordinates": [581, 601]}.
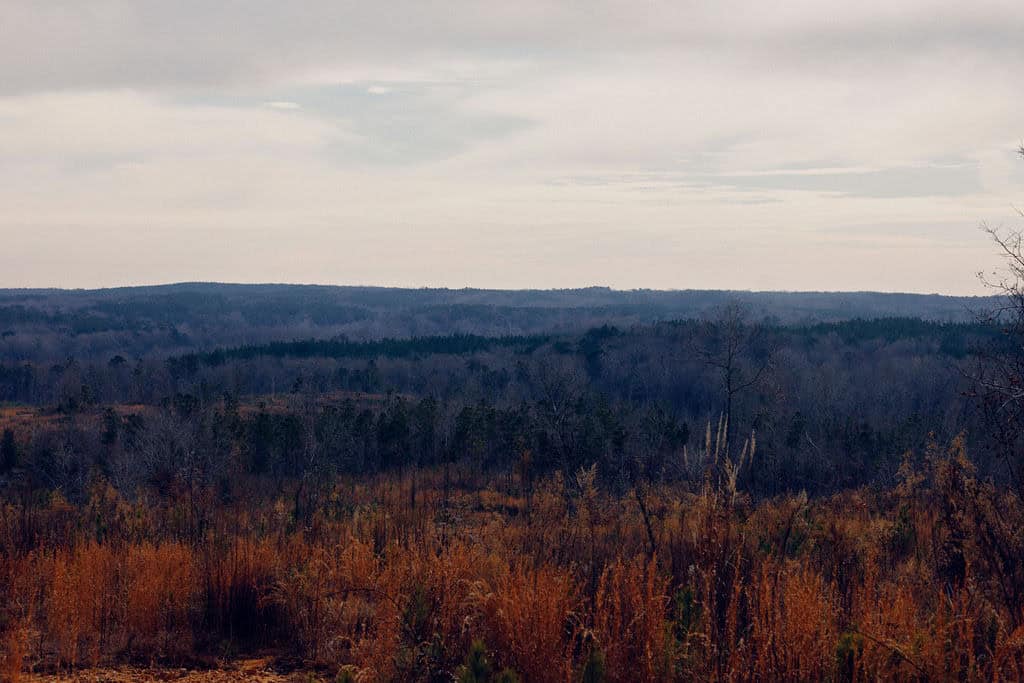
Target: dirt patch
{"type": "Point", "coordinates": [256, 670]}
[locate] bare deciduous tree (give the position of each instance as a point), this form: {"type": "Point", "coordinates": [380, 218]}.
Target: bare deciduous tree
{"type": "Point", "coordinates": [727, 343]}
{"type": "Point", "coordinates": [999, 378]}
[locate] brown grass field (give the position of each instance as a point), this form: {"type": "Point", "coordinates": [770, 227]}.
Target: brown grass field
{"type": "Point", "coordinates": [396, 577]}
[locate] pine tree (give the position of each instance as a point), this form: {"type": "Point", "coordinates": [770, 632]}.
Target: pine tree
{"type": "Point", "coordinates": [8, 452]}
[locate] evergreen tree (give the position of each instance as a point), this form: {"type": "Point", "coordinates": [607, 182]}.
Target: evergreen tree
{"type": "Point", "coordinates": [8, 451]}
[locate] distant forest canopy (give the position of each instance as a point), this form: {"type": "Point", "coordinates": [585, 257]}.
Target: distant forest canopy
{"type": "Point", "coordinates": [36, 324]}
{"type": "Point", "coordinates": [288, 380]}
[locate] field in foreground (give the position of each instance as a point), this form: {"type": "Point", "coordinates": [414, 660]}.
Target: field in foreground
{"type": "Point", "coordinates": [433, 576]}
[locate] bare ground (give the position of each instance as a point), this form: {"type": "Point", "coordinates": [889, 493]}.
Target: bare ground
{"type": "Point", "coordinates": [256, 670]}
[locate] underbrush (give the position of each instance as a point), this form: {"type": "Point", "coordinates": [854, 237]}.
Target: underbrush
{"type": "Point", "coordinates": [414, 578]}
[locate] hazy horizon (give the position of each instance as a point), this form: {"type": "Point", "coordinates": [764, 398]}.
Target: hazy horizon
{"type": "Point", "coordinates": [343, 285]}
{"type": "Point", "coordinates": [812, 147]}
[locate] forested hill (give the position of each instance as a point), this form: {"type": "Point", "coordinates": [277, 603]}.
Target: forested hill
{"type": "Point", "coordinates": [179, 318]}
{"type": "Point", "coordinates": [274, 300]}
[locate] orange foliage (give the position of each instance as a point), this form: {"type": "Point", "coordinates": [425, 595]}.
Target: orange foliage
{"type": "Point", "coordinates": [630, 617]}
{"type": "Point", "coordinates": [913, 583]}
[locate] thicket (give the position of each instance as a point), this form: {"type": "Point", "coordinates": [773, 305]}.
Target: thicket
{"type": "Point", "coordinates": [431, 575]}
{"type": "Point", "coordinates": [834, 406]}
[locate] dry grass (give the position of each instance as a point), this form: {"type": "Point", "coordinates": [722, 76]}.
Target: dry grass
{"type": "Point", "coordinates": [912, 584]}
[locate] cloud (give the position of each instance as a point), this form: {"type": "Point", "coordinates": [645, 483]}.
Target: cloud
{"type": "Point", "coordinates": [732, 144]}
{"type": "Point", "coordinates": [149, 43]}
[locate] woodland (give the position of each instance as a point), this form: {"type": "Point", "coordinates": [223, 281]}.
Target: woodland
{"type": "Point", "coordinates": [586, 485]}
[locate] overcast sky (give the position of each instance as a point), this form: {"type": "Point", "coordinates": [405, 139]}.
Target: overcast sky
{"type": "Point", "coordinates": [734, 145]}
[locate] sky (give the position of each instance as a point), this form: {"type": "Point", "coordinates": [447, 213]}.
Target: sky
{"type": "Point", "coordinates": [822, 145]}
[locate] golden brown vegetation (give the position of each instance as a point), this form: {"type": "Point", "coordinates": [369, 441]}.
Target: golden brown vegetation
{"type": "Point", "coordinates": [382, 582]}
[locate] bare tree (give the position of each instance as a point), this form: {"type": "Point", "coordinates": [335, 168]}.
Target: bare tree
{"type": "Point", "coordinates": [733, 346]}
{"type": "Point", "coordinates": [999, 378]}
